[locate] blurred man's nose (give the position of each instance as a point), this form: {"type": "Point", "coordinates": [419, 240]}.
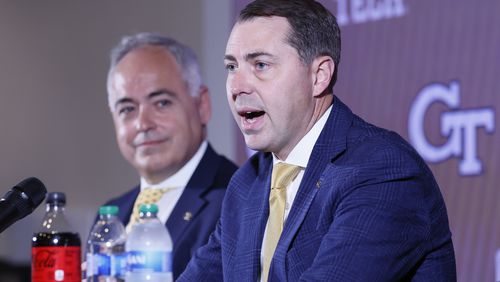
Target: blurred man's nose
{"type": "Point", "coordinates": [144, 121]}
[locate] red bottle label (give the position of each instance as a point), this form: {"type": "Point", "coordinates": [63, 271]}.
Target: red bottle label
{"type": "Point", "coordinates": [55, 264]}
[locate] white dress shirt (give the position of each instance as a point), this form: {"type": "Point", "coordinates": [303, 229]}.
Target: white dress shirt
{"type": "Point", "coordinates": [299, 156]}
{"type": "Point", "coordinates": [177, 183]}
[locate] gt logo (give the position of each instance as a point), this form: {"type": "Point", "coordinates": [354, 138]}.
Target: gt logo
{"type": "Point", "coordinates": [458, 125]}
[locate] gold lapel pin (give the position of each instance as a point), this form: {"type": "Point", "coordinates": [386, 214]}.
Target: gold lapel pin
{"type": "Point", "coordinates": [188, 216]}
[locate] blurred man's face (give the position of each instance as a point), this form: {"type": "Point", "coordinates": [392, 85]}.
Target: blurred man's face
{"type": "Point", "coordinates": [269, 88]}
{"type": "Point", "coordinates": [159, 125]}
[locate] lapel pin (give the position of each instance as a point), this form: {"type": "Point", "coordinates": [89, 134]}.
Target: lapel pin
{"type": "Point", "coordinates": [187, 216]}
{"type": "Point", "coordinates": [318, 184]}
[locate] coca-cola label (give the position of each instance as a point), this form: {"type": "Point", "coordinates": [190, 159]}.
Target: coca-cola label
{"type": "Point", "coordinates": [55, 264]}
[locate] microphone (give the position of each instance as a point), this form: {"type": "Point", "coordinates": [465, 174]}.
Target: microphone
{"type": "Point", "coordinates": [20, 201]}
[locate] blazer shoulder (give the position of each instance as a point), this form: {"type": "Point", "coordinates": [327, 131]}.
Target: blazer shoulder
{"type": "Point", "coordinates": [214, 170]}
{"type": "Point", "coordinates": [125, 197]}
{"type": "Point", "coordinates": [255, 169]}
{"type": "Point", "coordinates": [367, 150]}
{"type": "Point", "coordinates": [225, 171]}
{"type": "Point", "coordinates": [254, 166]}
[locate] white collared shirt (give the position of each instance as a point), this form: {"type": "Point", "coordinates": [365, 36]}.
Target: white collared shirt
{"type": "Point", "coordinates": [299, 156]}
{"type": "Point", "coordinates": [177, 182]}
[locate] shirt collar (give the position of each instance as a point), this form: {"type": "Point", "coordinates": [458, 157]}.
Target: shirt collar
{"type": "Point", "coordinates": [181, 178]}
{"type": "Point", "coordinates": [300, 154]}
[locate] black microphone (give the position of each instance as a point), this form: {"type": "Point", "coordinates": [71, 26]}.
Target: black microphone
{"type": "Point", "coordinates": [21, 201]}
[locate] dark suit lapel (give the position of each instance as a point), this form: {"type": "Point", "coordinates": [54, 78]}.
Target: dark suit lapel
{"type": "Point", "coordinates": [253, 221]}
{"type": "Point", "coordinates": [191, 201]}
{"type": "Point", "coordinates": [126, 205]}
{"type": "Point", "coordinates": [330, 143]}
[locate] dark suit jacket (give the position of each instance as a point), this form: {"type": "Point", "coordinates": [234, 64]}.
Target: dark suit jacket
{"type": "Point", "coordinates": [202, 197]}
{"type": "Point", "coordinates": [367, 209]}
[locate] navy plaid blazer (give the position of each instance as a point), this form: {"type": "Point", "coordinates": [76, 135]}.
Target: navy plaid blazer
{"type": "Point", "coordinates": [367, 209]}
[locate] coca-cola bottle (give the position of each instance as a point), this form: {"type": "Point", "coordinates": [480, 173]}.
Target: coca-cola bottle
{"type": "Point", "coordinates": [55, 252]}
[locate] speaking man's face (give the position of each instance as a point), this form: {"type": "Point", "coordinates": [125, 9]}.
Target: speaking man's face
{"type": "Point", "coordinates": [269, 88]}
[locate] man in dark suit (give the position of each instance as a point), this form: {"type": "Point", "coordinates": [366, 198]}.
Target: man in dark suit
{"type": "Point", "coordinates": [329, 197]}
{"type": "Point", "coordinates": [160, 111]}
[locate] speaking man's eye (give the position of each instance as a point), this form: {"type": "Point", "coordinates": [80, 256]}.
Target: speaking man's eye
{"type": "Point", "coordinates": [230, 67]}
{"type": "Point", "coordinates": [261, 66]}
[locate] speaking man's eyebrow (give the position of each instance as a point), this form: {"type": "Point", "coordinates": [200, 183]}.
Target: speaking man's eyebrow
{"type": "Point", "coordinates": [229, 58]}
{"type": "Point", "coordinates": [249, 56]}
{"type": "Point", "coordinates": [253, 55]}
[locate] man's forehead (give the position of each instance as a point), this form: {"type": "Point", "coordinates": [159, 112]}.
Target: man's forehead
{"type": "Point", "coordinates": [123, 83]}
{"type": "Point", "coordinates": [265, 20]}
{"type": "Point", "coordinates": [261, 26]}
{"type": "Point", "coordinates": [257, 35]}
{"type": "Point", "coordinates": [147, 59]}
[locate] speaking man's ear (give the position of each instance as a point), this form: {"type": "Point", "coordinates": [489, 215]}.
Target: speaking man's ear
{"type": "Point", "coordinates": [322, 71]}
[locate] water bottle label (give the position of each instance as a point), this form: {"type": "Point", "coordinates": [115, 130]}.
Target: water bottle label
{"type": "Point", "coordinates": [106, 265]}
{"type": "Point", "coordinates": [98, 264]}
{"type": "Point", "coordinates": [157, 261]}
{"type": "Point", "coordinates": [119, 265]}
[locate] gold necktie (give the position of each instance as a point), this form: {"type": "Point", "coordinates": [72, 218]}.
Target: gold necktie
{"type": "Point", "coordinates": [146, 196]}
{"type": "Point", "coordinates": [282, 176]}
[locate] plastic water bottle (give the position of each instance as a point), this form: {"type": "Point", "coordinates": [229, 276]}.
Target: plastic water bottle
{"type": "Point", "coordinates": [149, 249]}
{"type": "Point", "coordinates": [106, 257]}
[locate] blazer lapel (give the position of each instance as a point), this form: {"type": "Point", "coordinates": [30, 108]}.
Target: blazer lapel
{"type": "Point", "coordinates": [191, 202]}
{"type": "Point", "coordinates": [254, 218]}
{"type": "Point", "coordinates": [126, 205]}
{"type": "Point", "coordinates": [330, 144]}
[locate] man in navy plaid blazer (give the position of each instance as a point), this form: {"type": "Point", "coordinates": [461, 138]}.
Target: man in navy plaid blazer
{"type": "Point", "coordinates": [363, 207]}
